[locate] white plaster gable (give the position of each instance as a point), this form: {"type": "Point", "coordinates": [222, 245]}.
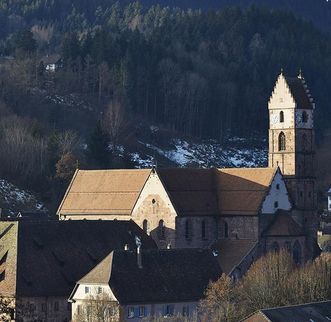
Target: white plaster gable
{"type": "Point", "coordinates": [153, 186]}
{"type": "Point", "coordinates": [281, 100]}
{"type": "Point", "coordinates": [80, 294]}
{"type": "Point", "coordinates": [281, 96]}
{"type": "Point", "coordinates": [277, 194]}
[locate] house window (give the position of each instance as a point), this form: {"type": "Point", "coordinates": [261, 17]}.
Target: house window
{"type": "Point", "coordinates": [304, 117]}
{"type": "Point", "coordinates": [161, 230]}
{"type": "Point", "coordinates": [87, 290]}
{"type": "Point", "coordinates": [281, 117]}
{"type": "Point", "coordinates": [56, 306]}
{"type": "Point", "coordinates": [78, 309]}
{"type": "Point", "coordinates": [226, 230]}
{"type": "Point", "coordinates": [145, 226]}
{"type": "Point", "coordinates": [186, 310]}
{"type": "Point", "coordinates": [281, 142]}
{"type": "Point", "coordinates": [203, 230]}
{"type": "Point", "coordinates": [169, 310]}
{"type": "Point", "coordinates": [43, 307]}
{"type": "Point", "coordinates": [188, 229]}
{"type": "Point", "coordinates": [276, 204]}
{"type": "Point", "coordinates": [99, 290]}
{"type": "Point", "coordinates": [142, 311]}
{"type": "Point", "coordinates": [130, 312]}
{"type": "Point", "coordinates": [277, 186]}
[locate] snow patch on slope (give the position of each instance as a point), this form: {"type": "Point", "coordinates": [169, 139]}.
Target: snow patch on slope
{"type": "Point", "coordinates": [206, 154]}
{"type": "Point", "coordinates": [14, 200]}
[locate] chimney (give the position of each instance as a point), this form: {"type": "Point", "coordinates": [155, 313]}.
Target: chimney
{"type": "Point", "coordinates": [139, 261]}
{"type": "Point", "coordinates": [138, 243]}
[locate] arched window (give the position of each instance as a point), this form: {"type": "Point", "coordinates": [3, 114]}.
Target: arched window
{"type": "Point", "coordinates": [304, 117]}
{"type": "Point", "coordinates": [226, 230]}
{"type": "Point", "coordinates": [188, 229]}
{"type": "Point", "coordinates": [203, 230]}
{"type": "Point", "coordinates": [297, 252]}
{"type": "Point", "coordinates": [145, 226]}
{"type": "Point", "coordinates": [275, 247]}
{"type": "Point", "coordinates": [281, 142]}
{"type": "Point", "coordinates": [288, 246]}
{"type": "Point", "coordinates": [161, 230]}
{"type": "Point", "coordinates": [281, 117]}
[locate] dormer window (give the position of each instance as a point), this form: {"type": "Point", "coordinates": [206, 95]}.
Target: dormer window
{"type": "Point", "coordinates": [281, 117]}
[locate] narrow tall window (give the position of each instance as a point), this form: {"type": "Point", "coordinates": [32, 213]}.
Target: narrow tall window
{"type": "Point", "coordinates": [297, 252]}
{"type": "Point", "coordinates": [281, 142]}
{"type": "Point", "coordinates": [187, 229]}
{"type": "Point", "coordinates": [275, 247]}
{"type": "Point", "coordinates": [226, 230]}
{"type": "Point", "coordinates": [145, 226]}
{"type": "Point", "coordinates": [161, 230]}
{"type": "Point", "coordinates": [203, 230]}
{"type": "Point", "coordinates": [281, 117]}
{"type": "Point", "coordinates": [304, 117]}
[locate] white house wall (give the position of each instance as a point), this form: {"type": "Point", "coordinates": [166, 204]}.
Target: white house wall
{"type": "Point", "coordinates": [279, 195]}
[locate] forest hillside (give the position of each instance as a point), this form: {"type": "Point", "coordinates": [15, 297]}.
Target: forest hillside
{"type": "Point", "coordinates": [90, 83]}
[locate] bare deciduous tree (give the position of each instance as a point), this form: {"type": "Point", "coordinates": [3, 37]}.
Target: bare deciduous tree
{"type": "Point", "coordinates": [114, 122]}
{"type": "Point", "coordinates": [98, 308]}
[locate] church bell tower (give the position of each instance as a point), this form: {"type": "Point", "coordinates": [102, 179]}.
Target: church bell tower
{"type": "Point", "coordinates": [292, 148]}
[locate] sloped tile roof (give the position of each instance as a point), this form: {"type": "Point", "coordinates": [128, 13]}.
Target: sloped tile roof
{"type": "Point", "coordinates": [242, 190]}
{"type": "Point", "coordinates": [283, 225]}
{"type": "Point", "coordinates": [175, 275]}
{"type": "Point", "coordinates": [231, 252]}
{"type": "Point", "coordinates": [237, 191]}
{"type": "Point", "coordinates": [299, 93]}
{"type": "Point", "coordinates": [103, 192]}
{"type": "Point", "coordinates": [52, 256]}
{"type": "Point", "coordinates": [317, 312]}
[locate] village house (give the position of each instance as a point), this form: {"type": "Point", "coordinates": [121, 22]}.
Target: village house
{"type": "Point", "coordinates": [40, 262]}
{"type": "Point", "coordinates": [131, 285]}
{"type": "Point", "coordinates": [274, 207]}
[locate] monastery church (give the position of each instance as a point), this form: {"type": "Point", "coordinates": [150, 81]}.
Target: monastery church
{"type": "Point", "coordinates": [237, 211]}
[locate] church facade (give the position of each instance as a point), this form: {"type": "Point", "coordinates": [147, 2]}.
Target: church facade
{"type": "Point", "coordinates": [237, 210]}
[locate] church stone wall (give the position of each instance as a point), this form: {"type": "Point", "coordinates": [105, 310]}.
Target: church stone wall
{"type": "Point", "coordinates": [242, 227]}
{"type": "Point", "coordinates": [154, 206]}
{"type": "Point", "coordinates": [195, 238]}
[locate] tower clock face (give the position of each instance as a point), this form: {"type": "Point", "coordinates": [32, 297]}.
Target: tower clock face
{"type": "Point", "coordinates": [274, 119]}
{"type": "Point", "coordinates": [298, 119]}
